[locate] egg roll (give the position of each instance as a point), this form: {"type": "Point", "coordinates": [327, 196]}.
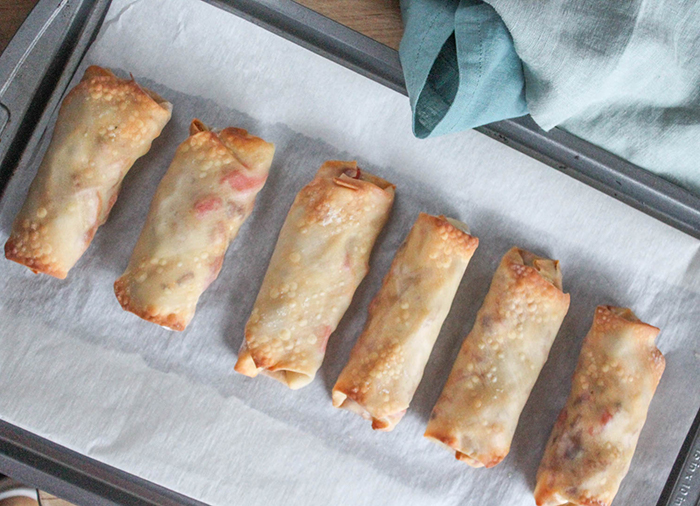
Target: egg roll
{"type": "Point", "coordinates": [104, 124]}
{"type": "Point", "coordinates": [386, 365]}
{"type": "Point", "coordinates": [593, 440]}
{"type": "Point", "coordinates": [500, 360]}
{"type": "Point", "coordinates": [205, 196]}
{"type": "Point", "coordinates": [322, 255]}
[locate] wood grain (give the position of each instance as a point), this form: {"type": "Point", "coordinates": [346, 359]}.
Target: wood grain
{"type": "Point", "coordinates": [19, 501]}
{"type": "Point", "coordinates": [12, 14]}
{"type": "Point", "coordinates": [50, 500]}
{"type": "Point", "coordinates": [378, 19]}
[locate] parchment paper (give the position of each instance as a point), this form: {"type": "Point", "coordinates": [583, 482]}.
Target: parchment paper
{"type": "Point", "coordinates": [168, 407]}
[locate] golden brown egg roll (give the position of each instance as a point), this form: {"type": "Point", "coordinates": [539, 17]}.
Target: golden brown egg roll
{"type": "Point", "coordinates": [500, 360]}
{"type": "Point", "coordinates": [205, 196]}
{"type": "Point", "coordinates": [593, 440]}
{"type": "Point", "coordinates": [386, 365]}
{"type": "Point", "coordinates": [321, 256]}
{"type": "Point", "coordinates": [104, 124]}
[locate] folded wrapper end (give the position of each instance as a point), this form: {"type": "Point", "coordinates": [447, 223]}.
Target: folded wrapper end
{"type": "Point", "coordinates": [246, 365]}
{"type": "Point", "coordinates": [352, 172]}
{"type": "Point", "coordinates": [626, 316]}
{"type": "Point", "coordinates": [472, 462]}
{"type": "Point", "coordinates": [449, 443]}
{"type": "Point", "coordinates": [96, 71]}
{"type": "Point", "coordinates": [459, 225]}
{"type": "Point", "coordinates": [248, 149]}
{"type": "Point", "coordinates": [157, 98]}
{"type": "Point", "coordinates": [342, 400]}
{"type": "Point", "coordinates": [555, 499]}
{"type": "Point", "coordinates": [623, 312]}
{"type": "Point", "coordinates": [197, 127]}
{"type": "Point", "coordinates": [34, 265]}
{"type": "Point", "coordinates": [642, 331]}
{"type": "Point", "coordinates": [170, 321]}
{"type": "Point", "coordinates": [548, 269]}
{"type": "Point", "coordinates": [253, 152]}
{"type": "Point", "coordinates": [294, 380]}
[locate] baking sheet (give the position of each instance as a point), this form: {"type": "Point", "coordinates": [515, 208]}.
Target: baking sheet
{"type": "Point", "coordinates": [168, 407]}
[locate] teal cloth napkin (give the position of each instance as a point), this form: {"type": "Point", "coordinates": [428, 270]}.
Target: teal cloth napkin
{"type": "Point", "coordinates": [622, 75]}
{"type": "Point", "coordinates": [460, 66]}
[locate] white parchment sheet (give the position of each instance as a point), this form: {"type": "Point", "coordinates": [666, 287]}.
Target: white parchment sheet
{"type": "Point", "coordinates": [168, 407]}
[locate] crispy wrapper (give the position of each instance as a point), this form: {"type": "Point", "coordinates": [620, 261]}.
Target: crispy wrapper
{"type": "Point", "coordinates": [205, 196]}
{"type": "Point", "coordinates": [321, 256]}
{"type": "Point", "coordinates": [500, 360]}
{"type": "Point", "coordinates": [405, 317]}
{"type": "Point", "coordinates": [105, 123]}
{"type": "Point", "coordinates": [592, 443]}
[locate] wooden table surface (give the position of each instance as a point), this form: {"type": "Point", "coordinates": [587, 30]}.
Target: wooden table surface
{"type": "Point", "coordinates": [378, 19]}
{"type": "Point", "coordinates": [12, 13]}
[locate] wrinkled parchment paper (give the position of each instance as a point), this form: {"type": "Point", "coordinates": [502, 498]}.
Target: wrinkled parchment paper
{"type": "Point", "coordinates": [168, 407]}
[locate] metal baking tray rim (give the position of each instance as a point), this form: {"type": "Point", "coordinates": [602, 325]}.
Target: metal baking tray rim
{"type": "Point", "coordinates": [35, 71]}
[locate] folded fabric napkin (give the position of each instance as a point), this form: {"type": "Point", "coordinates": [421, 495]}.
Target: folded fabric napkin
{"type": "Point", "coordinates": [622, 75]}
{"type": "Point", "coordinates": [460, 66]}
